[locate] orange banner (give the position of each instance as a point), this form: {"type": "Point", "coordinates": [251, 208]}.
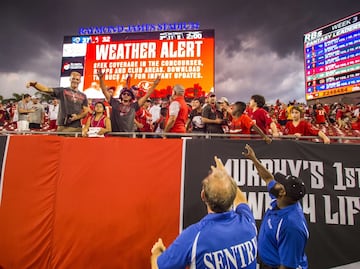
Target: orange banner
{"type": "Point", "coordinates": [73, 203]}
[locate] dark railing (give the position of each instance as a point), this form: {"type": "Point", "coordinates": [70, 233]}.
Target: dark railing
{"type": "Point", "coordinates": [334, 139]}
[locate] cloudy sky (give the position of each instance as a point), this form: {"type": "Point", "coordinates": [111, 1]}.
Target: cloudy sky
{"type": "Point", "coordinates": [258, 43]}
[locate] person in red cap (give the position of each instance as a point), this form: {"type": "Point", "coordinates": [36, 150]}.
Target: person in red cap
{"type": "Point", "coordinates": [123, 108]}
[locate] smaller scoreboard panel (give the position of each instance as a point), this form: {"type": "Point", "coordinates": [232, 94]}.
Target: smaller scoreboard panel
{"type": "Point", "coordinates": [332, 59]}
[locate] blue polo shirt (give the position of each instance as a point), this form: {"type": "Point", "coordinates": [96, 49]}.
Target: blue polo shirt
{"type": "Point", "coordinates": [219, 240]}
{"type": "Point", "coordinates": [283, 235]}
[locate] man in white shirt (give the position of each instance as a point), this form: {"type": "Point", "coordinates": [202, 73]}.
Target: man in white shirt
{"type": "Point", "coordinates": [23, 109]}
{"type": "Point", "coordinates": [53, 114]}
{"type": "Point", "coordinates": [155, 110]}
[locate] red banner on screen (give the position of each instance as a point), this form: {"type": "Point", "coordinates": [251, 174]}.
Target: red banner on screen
{"type": "Point", "coordinates": [188, 61]}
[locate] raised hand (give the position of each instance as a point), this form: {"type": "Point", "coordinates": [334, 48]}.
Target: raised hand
{"type": "Point", "coordinates": [100, 73]}
{"type": "Point", "coordinates": [157, 80]}
{"type": "Point", "coordinates": [249, 152]}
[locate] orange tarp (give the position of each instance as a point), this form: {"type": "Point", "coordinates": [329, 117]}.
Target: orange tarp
{"type": "Point", "coordinates": [88, 202]}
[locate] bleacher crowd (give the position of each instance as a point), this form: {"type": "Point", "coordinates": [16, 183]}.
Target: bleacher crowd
{"type": "Point", "coordinates": [207, 114]}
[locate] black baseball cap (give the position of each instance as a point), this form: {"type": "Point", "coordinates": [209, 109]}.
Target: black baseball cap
{"type": "Point", "coordinates": [294, 186]}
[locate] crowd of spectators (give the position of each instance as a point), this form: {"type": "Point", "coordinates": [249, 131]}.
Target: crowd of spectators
{"type": "Point", "coordinates": [208, 114]}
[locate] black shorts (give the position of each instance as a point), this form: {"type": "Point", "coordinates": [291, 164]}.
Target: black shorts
{"type": "Point", "coordinates": [34, 126]}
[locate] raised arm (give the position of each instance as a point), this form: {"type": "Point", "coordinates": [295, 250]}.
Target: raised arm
{"type": "Point", "coordinates": [170, 123]}
{"type": "Point", "coordinates": [324, 137]}
{"type": "Point", "coordinates": [156, 251]}
{"type": "Point", "coordinates": [85, 127]}
{"type": "Point", "coordinates": [81, 115]}
{"type": "Point", "coordinates": [265, 174]}
{"type": "Point", "coordinates": [274, 130]}
{"type": "Point", "coordinates": [142, 100]}
{"type": "Point", "coordinates": [207, 120]}
{"type": "Point", "coordinates": [103, 87]}
{"type": "Point", "coordinates": [240, 197]}
{"type": "Point", "coordinates": [22, 110]}
{"type": "Point", "coordinates": [206, 114]}
{"type": "Point", "coordinates": [261, 133]}
{"type": "Point", "coordinates": [39, 87]}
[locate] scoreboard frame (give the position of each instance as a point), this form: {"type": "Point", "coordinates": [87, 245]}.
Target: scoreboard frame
{"type": "Point", "coordinates": [179, 57]}
{"type": "Point", "coordinates": [332, 59]}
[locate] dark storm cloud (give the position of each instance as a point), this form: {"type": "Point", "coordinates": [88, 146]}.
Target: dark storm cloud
{"type": "Point", "coordinates": [253, 38]}
{"type": "Point", "coordinates": [289, 20]}
{"type": "Point", "coordinates": [279, 23]}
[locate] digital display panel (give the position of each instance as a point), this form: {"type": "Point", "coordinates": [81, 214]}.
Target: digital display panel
{"type": "Point", "coordinates": [185, 58]}
{"type": "Point", "coordinates": [332, 59]}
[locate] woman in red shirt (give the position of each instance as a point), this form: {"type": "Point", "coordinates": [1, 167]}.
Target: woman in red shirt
{"type": "Point", "coordinates": [98, 124]}
{"type": "Point", "coordinates": [300, 127]}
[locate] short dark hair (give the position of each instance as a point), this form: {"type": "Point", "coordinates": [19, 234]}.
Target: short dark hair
{"type": "Point", "coordinates": [163, 111]}
{"type": "Point", "coordinates": [239, 108]}
{"type": "Point", "coordinates": [259, 100]}
{"type": "Point", "coordinates": [26, 95]}
{"type": "Point", "coordinates": [198, 99]}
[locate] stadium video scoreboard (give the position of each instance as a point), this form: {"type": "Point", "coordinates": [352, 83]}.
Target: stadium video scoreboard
{"type": "Point", "coordinates": [179, 57]}
{"type": "Point", "coordinates": [332, 59]}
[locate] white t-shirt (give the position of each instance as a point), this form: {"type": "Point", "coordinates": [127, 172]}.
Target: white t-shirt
{"type": "Point", "coordinates": [155, 112]}
{"type": "Point", "coordinates": [174, 108]}
{"type": "Point", "coordinates": [53, 111]}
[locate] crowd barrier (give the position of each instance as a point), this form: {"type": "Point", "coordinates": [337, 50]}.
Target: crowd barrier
{"type": "Point", "coordinates": [333, 138]}
{"type": "Point", "coordinates": [70, 202]}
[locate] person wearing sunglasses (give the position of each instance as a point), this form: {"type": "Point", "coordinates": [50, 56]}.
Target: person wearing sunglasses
{"type": "Point", "coordinates": [123, 108]}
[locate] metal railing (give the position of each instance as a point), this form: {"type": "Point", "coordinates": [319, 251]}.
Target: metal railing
{"type": "Point", "coordinates": [336, 139]}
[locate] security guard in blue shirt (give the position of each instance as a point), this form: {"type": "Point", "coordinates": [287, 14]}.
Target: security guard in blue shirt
{"type": "Point", "coordinates": [224, 238]}
{"type": "Point", "coordinates": [283, 233]}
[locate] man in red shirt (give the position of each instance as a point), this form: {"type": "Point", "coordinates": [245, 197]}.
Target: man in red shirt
{"type": "Point", "coordinates": [260, 116]}
{"type": "Point", "coordinates": [300, 127]}
{"type": "Point", "coordinates": [143, 118]}
{"type": "Point", "coordinates": [2, 116]}
{"type": "Point", "coordinates": [177, 113]}
{"type": "Point", "coordinates": [320, 115]}
{"type": "Point", "coordinates": [241, 123]}
{"type": "Point", "coordinates": [282, 116]}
